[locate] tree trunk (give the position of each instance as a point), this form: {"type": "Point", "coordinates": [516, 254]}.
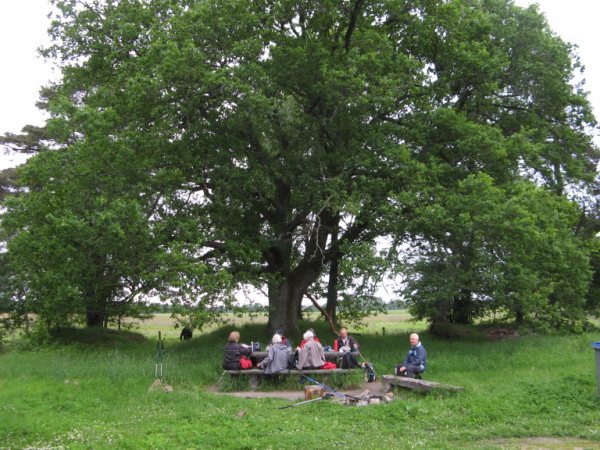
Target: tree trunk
{"type": "Point", "coordinates": [284, 301]}
{"type": "Point", "coordinates": [443, 313]}
{"type": "Point", "coordinates": [332, 292]}
{"type": "Point", "coordinates": [519, 314]}
{"type": "Point", "coordinates": [285, 298]}
{"type": "Point", "coordinates": [462, 308]}
{"type": "Point", "coordinates": [94, 316]}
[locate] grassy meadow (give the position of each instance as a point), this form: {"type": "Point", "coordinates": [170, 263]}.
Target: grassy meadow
{"type": "Point", "coordinates": [85, 392]}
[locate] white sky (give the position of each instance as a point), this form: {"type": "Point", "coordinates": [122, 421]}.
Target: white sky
{"type": "Point", "coordinates": [23, 25]}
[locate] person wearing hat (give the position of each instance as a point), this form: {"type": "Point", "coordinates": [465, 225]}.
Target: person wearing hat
{"type": "Point", "coordinates": [277, 358]}
{"type": "Point", "coordinates": [311, 354]}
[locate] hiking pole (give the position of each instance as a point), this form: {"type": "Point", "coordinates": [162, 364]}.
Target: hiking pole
{"type": "Point", "coordinates": [361, 356]}
{"type": "Point", "coordinates": [326, 396]}
{"type": "Point", "coordinates": [160, 352]}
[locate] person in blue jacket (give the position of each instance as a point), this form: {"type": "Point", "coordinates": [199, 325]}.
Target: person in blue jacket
{"type": "Point", "coordinates": [415, 362]}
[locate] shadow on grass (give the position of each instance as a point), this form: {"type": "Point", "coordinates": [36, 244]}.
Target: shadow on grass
{"type": "Point", "coordinates": [98, 337]}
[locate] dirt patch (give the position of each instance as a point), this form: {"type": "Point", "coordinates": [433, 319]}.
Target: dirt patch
{"type": "Point", "coordinates": [542, 443]}
{"type": "Point", "coordinates": [497, 334]}
{"type": "Point", "coordinates": [375, 388]}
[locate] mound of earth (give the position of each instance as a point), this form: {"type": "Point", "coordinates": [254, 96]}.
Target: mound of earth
{"type": "Point", "coordinates": [497, 334]}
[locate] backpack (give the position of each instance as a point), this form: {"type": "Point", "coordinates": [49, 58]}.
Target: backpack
{"type": "Point", "coordinates": [370, 375]}
{"type": "Point", "coordinates": [245, 362]}
{"type": "Point", "coordinates": [293, 360]}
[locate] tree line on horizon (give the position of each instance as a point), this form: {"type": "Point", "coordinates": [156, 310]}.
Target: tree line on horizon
{"type": "Point", "coordinates": [307, 149]}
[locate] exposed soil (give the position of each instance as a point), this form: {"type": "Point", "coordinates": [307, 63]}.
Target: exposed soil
{"type": "Point", "coordinates": [497, 334]}
{"type": "Point", "coordinates": [374, 388]}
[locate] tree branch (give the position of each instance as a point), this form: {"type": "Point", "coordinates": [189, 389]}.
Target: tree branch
{"type": "Point", "coordinates": [323, 313]}
{"type": "Point", "coordinates": [352, 25]}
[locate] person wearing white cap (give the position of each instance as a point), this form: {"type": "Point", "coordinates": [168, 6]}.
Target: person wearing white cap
{"type": "Point", "coordinates": [311, 355]}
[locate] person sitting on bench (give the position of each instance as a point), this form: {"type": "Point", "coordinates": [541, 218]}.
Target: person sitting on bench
{"type": "Point", "coordinates": [346, 344]}
{"type": "Point", "coordinates": [234, 351]}
{"type": "Point", "coordinates": [416, 361]}
{"type": "Point", "coordinates": [311, 355]}
{"type": "Point", "coordinates": [277, 358]}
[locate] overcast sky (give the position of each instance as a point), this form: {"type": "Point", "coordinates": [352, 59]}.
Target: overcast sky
{"type": "Point", "coordinates": [23, 25]}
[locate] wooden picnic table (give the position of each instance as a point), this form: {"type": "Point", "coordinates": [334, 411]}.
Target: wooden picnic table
{"type": "Point", "coordinates": [329, 356]}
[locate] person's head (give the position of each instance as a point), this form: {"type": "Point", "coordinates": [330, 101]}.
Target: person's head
{"type": "Point", "coordinates": [343, 332]}
{"type": "Point", "coordinates": [280, 332]}
{"type": "Point", "coordinates": [413, 339]}
{"type": "Point", "coordinates": [312, 330]}
{"type": "Point", "coordinates": [308, 335]}
{"type": "Point", "coordinates": [276, 339]}
{"type": "Point", "coordinates": [234, 336]}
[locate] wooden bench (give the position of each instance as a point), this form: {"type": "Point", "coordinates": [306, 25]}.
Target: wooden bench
{"type": "Point", "coordinates": [254, 374]}
{"type": "Point", "coordinates": [416, 385]}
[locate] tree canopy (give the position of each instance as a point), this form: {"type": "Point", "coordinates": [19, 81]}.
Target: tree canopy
{"type": "Point", "coordinates": [200, 145]}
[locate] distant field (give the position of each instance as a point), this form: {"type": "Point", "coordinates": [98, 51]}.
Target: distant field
{"type": "Point", "coordinates": [395, 321]}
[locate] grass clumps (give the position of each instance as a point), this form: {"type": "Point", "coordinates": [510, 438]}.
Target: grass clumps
{"type": "Point", "coordinates": [87, 394]}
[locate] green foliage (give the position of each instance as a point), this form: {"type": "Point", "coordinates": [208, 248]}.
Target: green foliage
{"type": "Point", "coordinates": [513, 252]}
{"type": "Point", "coordinates": [200, 146]}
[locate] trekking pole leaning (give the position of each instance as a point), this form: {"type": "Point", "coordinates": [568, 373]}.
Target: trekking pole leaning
{"type": "Point", "coordinates": [324, 397]}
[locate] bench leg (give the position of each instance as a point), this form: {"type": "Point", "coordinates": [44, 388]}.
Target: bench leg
{"type": "Point", "coordinates": [253, 379]}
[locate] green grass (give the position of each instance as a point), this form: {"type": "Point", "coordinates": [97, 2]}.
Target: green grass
{"type": "Point", "coordinates": [79, 393]}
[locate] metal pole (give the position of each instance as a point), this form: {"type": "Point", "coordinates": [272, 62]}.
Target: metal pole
{"type": "Point", "coordinates": [307, 401]}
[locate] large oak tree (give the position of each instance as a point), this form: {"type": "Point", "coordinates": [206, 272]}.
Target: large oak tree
{"type": "Point", "coordinates": [276, 140]}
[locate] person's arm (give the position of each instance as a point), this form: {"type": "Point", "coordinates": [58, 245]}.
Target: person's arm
{"type": "Point", "coordinates": [421, 356]}
{"type": "Point", "coordinates": [405, 362]}
{"type": "Point", "coordinates": [270, 356]}
{"type": "Point", "coordinates": [353, 344]}
{"type": "Point", "coordinates": [244, 349]}
{"type": "Point", "coordinates": [321, 353]}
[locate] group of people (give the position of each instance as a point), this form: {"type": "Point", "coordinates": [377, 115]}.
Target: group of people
{"type": "Point", "coordinates": [310, 354]}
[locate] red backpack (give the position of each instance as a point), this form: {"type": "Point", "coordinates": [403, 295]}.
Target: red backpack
{"type": "Point", "coordinates": [245, 362]}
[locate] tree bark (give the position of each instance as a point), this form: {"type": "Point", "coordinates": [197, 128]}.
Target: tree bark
{"type": "Point", "coordinates": [95, 316]}
{"type": "Point", "coordinates": [332, 284]}
{"type": "Point", "coordinates": [285, 297]}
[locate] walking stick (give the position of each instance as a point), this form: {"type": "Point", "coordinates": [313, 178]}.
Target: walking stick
{"type": "Point", "coordinates": [326, 396]}
{"type": "Point", "coordinates": [160, 352]}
